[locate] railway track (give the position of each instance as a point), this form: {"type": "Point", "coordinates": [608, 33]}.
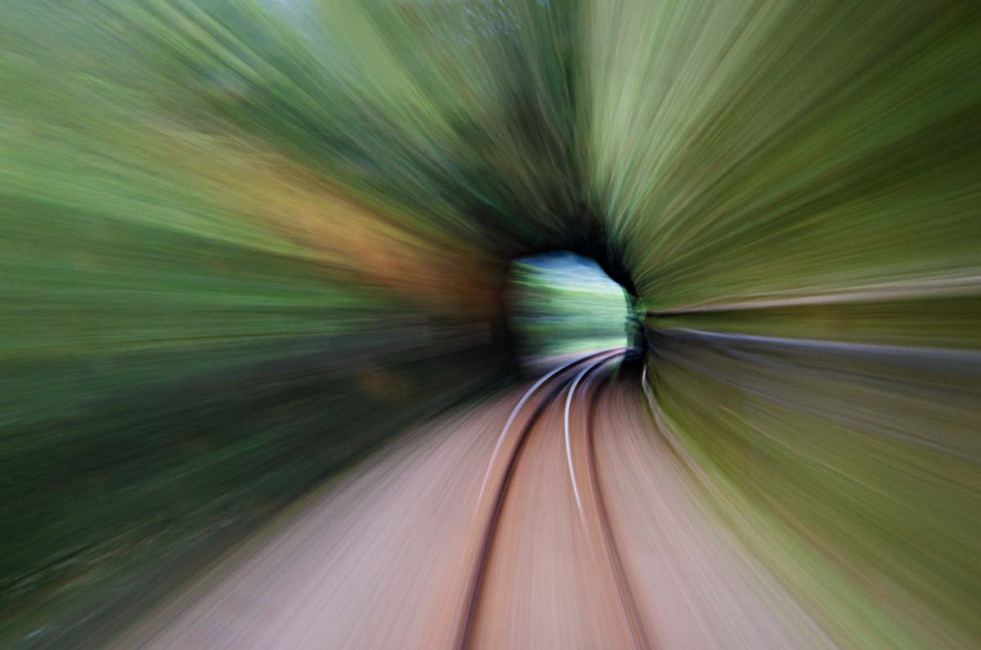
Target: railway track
{"type": "Point", "coordinates": [580, 381]}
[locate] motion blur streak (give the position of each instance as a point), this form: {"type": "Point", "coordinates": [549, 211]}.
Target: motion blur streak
{"type": "Point", "coordinates": [272, 287]}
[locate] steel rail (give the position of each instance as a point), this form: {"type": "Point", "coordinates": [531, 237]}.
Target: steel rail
{"type": "Point", "coordinates": [469, 614]}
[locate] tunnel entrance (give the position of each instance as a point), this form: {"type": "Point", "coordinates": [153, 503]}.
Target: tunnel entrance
{"type": "Point", "coordinates": [562, 303]}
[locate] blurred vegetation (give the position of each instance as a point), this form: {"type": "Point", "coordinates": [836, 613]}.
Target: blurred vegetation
{"type": "Point", "coordinates": [197, 323]}
{"type": "Point", "coordinates": [854, 477]}
{"type": "Point", "coordinates": [243, 242]}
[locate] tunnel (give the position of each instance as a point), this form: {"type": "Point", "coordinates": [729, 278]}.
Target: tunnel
{"type": "Point", "coordinates": [268, 302]}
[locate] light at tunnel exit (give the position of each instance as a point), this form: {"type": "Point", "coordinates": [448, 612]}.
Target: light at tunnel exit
{"type": "Point", "coordinates": [562, 303]}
